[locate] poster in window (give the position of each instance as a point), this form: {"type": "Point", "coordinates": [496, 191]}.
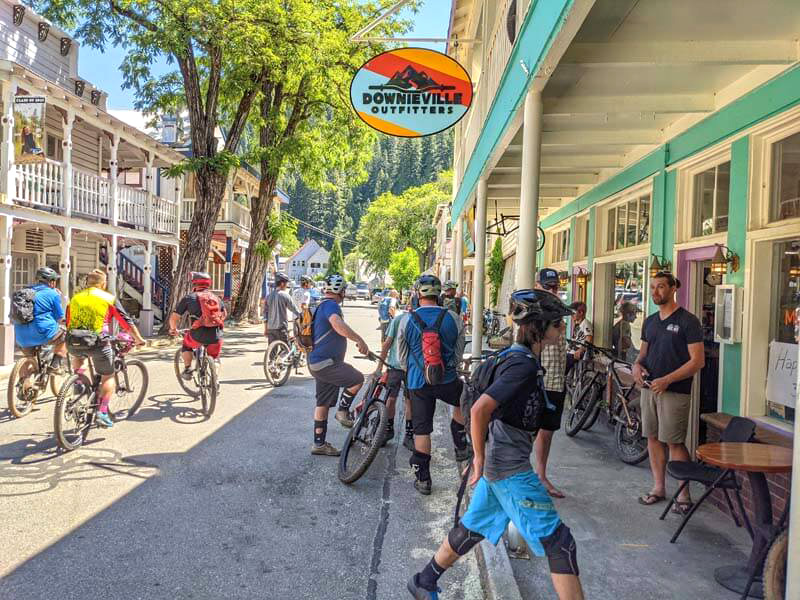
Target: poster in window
{"type": "Point", "coordinates": [29, 129]}
{"type": "Point", "coordinates": [782, 374]}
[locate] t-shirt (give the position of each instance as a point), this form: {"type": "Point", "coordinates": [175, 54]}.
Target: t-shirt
{"type": "Point", "coordinates": [451, 334]}
{"type": "Point", "coordinates": [393, 358]}
{"type": "Point", "coordinates": [518, 389]}
{"type": "Point", "coordinates": [582, 331]}
{"type": "Point", "coordinates": [329, 346]}
{"type": "Point", "coordinates": [47, 312]}
{"type": "Point", "coordinates": [668, 345]}
{"type": "Point", "coordinates": [302, 296]}
{"type": "Point", "coordinates": [451, 303]}
{"type": "Point", "coordinates": [389, 303]}
{"type": "Point", "coordinates": [464, 304]}
{"type": "Point", "coordinates": [190, 305]}
{"type": "Point", "coordinates": [278, 303]}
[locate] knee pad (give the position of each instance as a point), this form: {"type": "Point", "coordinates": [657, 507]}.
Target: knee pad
{"type": "Point", "coordinates": [462, 540]}
{"type": "Point", "coordinates": [561, 551]}
{"type": "Point", "coordinates": [459, 434]}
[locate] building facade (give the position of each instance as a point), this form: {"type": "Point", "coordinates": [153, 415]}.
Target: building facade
{"type": "Point", "coordinates": [311, 260]}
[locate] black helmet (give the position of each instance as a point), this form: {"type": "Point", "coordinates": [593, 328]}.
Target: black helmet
{"type": "Point", "coordinates": [47, 274]}
{"type": "Point", "coordinates": [280, 278]}
{"type": "Point", "coordinates": [536, 305]}
{"type": "Point", "coordinates": [306, 279]}
{"type": "Point", "coordinates": [429, 285]}
{"type": "Point", "coordinates": [200, 279]}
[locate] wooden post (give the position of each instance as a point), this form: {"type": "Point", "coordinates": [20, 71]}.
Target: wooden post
{"type": "Point", "coordinates": [66, 164]}
{"type": "Point", "coordinates": [113, 164]}
{"type": "Point", "coordinates": [146, 316]}
{"type": "Point", "coordinates": [8, 183]}
{"type": "Point", "coordinates": [148, 172]}
{"type": "Point", "coordinates": [65, 267]}
{"type": "Point", "coordinates": [6, 261]}
{"type": "Point", "coordinates": [112, 265]}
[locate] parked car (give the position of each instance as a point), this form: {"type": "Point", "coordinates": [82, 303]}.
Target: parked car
{"type": "Point", "coordinates": [362, 291]}
{"type": "Point", "coordinates": [376, 296]}
{"type": "Point", "coordinates": [351, 291]}
{"type": "Point", "coordinates": [316, 297]}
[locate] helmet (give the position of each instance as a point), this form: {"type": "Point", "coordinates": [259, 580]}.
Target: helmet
{"type": "Point", "coordinates": [281, 278]}
{"type": "Point", "coordinates": [536, 305]}
{"type": "Point", "coordinates": [46, 274]}
{"type": "Point", "coordinates": [451, 285]}
{"type": "Point", "coordinates": [200, 279]}
{"type": "Point", "coordinates": [334, 284]}
{"type": "Point", "coordinates": [429, 285]}
{"type": "Point", "coordinates": [306, 279]}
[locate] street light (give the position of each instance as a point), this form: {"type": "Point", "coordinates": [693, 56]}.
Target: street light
{"type": "Point", "coordinates": [723, 258]}
{"type": "Point", "coordinates": [657, 267]}
{"type": "Point", "coordinates": [583, 276]}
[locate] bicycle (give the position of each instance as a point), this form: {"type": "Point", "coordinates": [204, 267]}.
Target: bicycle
{"type": "Point", "coordinates": [623, 413]}
{"type": "Point", "coordinates": [78, 401]}
{"type": "Point", "coordinates": [491, 322]}
{"type": "Point", "coordinates": [29, 378]}
{"type": "Point", "coordinates": [279, 360]}
{"type": "Point", "coordinates": [369, 430]}
{"type": "Point", "coordinates": [204, 382]}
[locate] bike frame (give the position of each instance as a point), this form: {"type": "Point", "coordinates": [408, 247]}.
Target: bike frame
{"type": "Point", "coordinates": [621, 397]}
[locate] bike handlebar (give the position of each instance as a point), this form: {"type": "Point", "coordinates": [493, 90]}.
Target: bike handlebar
{"type": "Point", "coordinates": [373, 357]}
{"type": "Point", "coordinates": [607, 352]}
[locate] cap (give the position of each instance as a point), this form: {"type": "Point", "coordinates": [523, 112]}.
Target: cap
{"type": "Point", "coordinates": [548, 276]}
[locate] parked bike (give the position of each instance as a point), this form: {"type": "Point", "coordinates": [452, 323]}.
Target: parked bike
{"type": "Point", "coordinates": [204, 383]}
{"type": "Point", "coordinates": [279, 360]}
{"type": "Point", "coordinates": [29, 378]}
{"type": "Point", "coordinates": [492, 322]}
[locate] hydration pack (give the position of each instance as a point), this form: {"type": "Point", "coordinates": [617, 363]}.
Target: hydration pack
{"type": "Point", "coordinates": [211, 311]}
{"type": "Point", "coordinates": [433, 366]}
{"type": "Point", "coordinates": [22, 306]}
{"type": "Point", "coordinates": [304, 331]}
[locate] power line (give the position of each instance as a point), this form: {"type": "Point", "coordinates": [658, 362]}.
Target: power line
{"type": "Point", "coordinates": [323, 232]}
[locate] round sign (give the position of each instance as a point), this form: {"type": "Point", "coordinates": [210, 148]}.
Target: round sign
{"type": "Point", "coordinates": [411, 92]}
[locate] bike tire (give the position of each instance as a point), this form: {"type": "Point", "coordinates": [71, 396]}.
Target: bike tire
{"type": "Point", "coordinates": [276, 367]}
{"type": "Point", "coordinates": [24, 369]}
{"type": "Point", "coordinates": [774, 576]}
{"type": "Point", "coordinates": [56, 381]}
{"type": "Point", "coordinates": [630, 446]}
{"type": "Point", "coordinates": [188, 386]}
{"type": "Point", "coordinates": [70, 406]}
{"type": "Point", "coordinates": [592, 418]}
{"type": "Point", "coordinates": [124, 405]}
{"type": "Point", "coordinates": [581, 410]}
{"type": "Point", "coordinates": [208, 387]}
{"type": "Point", "coordinates": [373, 423]}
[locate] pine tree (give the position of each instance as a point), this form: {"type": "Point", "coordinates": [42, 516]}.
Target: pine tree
{"type": "Point", "coordinates": [336, 259]}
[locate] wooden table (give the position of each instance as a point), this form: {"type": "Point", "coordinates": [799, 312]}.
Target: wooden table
{"type": "Point", "coordinates": [755, 460]}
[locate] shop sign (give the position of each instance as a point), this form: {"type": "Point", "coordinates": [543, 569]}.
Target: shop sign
{"type": "Point", "coordinates": [782, 374]}
{"type": "Point", "coordinates": [411, 92]}
{"type": "Point", "coordinates": [29, 129]}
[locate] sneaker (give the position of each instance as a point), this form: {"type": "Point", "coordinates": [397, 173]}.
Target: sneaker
{"type": "Point", "coordinates": [104, 419]}
{"type": "Point", "coordinates": [325, 450]}
{"type": "Point", "coordinates": [408, 442]}
{"type": "Point", "coordinates": [344, 417]}
{"type": "Point", "coordinates": [389, 435]}
{"type": "Point", "coordinates": [424, 488]}
{"type": "Point", "coordinates": [186, 375]}
{"type": "Point", "coordinates": [463, 454]}
{"type": "Point", "coordinates": [419, 592]}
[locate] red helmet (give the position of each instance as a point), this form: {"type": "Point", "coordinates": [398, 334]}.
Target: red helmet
{"type": "Point", "coordinates": [200, 279]}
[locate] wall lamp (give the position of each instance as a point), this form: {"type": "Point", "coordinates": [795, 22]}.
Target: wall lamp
{"type": "Point", "coordinates": [563, 279]}
{"type": "Point", "coordinates": [723, 258]}
{"type": "Point", "coordinates": [583, 277]}
{"type": "Point", "coordinates": [657, 266]}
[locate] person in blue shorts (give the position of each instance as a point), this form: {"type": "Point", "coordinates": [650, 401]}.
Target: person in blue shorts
{"type": "Point", "coordinates": [48, 315]}
{"type": "Point", "coordinates": [504, 422]}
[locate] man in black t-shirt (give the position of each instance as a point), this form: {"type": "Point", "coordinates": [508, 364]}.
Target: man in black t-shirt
{"type": "Point", "coordinates": [670, 354]}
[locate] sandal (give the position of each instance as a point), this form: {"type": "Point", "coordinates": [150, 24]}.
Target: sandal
{"type": "Point", "coordinates": [650, 499]}
{"type": "Point", "coordinates": [682, 507]}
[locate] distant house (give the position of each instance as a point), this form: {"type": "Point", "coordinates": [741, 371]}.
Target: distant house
{"type": "Point", "coordinates": [311, 259]}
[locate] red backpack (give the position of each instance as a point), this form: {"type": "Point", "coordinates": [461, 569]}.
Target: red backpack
{"type": "Point", "coordinates": [431, 342]}
{"type": "Point", "coordinates": [211, 311]}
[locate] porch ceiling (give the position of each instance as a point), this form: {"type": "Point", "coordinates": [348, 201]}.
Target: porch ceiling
{"type": "Point", "coordinates": [637, 73]}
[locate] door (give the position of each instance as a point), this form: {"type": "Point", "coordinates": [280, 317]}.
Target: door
{"type": "Point", "coordinates": [23, 270]}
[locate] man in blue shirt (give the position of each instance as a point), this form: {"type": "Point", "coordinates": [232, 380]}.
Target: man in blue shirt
{"type": "Point", "coordinates": [424, 395]}
{"type": "Point", "coordinates": [47, 314]}
{"type": "Point", "coordinates": [327, 366]}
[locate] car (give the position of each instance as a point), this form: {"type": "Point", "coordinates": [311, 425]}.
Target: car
{"type": "Point", "coordinates": [362, 291]}
{"type": "Point", "coordinates": [351, 291]}
{"type": "Point", "coordinates": [316, 297]}
{"type": "Point", "coordinates": [376, 296]}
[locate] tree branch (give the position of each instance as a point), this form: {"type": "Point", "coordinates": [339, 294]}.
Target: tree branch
{"type": "Point", "coordinates": [133, 16]}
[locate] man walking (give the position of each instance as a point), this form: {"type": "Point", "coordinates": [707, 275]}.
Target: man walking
{"type": "Point", "coordinates": [278, 303]}
{"type": "Point", "coordinates": [449, 299]}
{"type": "Point", "coordinates": [670, 355]}
{"type": "Point", "coordinates": [387, 309]}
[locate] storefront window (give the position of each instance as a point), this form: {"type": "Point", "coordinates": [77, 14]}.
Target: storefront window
{"type": "Point", "coordinates": [785, 183]}
{"type": "Point", "coordinates": [711, 192]}
{"type": "Point", "coordinates": [782, 365]}
{"type": "Point", "coordinates": [559, 250]}
{"type": "Point", "coordinates": [628, 308]}
{"type": "Point", "coordinates": [629, 224]}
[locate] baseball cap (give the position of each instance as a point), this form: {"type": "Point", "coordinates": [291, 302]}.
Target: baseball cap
{"type": "Point", "coordinates": [548, 277]}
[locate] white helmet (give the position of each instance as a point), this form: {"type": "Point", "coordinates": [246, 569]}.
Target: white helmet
{"type": "Point", "coordinates": [334, 284]}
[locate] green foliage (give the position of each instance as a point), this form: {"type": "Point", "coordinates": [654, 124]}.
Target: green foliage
{"type": "Point", "coordinates": [495, 269]}
{"type": "Point", "coordinates": [336, 259]}
{"type": "Point", "coordinates": [224, 161]}
{"type": "Point", "coordinates": [404, 268]}
{"type": "Point", "coordinates": [281, 229]}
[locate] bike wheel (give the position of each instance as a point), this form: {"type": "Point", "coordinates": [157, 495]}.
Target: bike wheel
{"type": "Point", "coordinates": [592, 418]}
{"type": "Point", "coordinates": [207, 385]}
{"type": "Point", "coordinates": [630, 446]}
{"type": "Point", "coordinates": [73, 414]}
{"type": "Point", "coordinates": [774, 576]}
{"type": "Point", "coordinates": [582, 409]}
{"type": "Point", "coordinates": [277, 363]}
{"type": "Point", "coordinates": [22, 389]}
{"type": "Point", "coordinates": [189, 386]}
{"type": "Point", "coordinates": [131, 389]}
{"type": "Point", "coordinates": [56, 381]}
{"type": "Point", "coordinates": [363, 442]}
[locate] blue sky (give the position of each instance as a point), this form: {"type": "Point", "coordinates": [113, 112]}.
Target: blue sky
{"type": "Point", "coordinates": [102, 68]}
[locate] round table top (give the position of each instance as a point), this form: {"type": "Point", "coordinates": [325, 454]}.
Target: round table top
{"type": "Point", "coordinates": [760, 458]}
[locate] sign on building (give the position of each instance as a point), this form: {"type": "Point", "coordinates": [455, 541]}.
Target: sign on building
{"type": "Point", "coordinates": [782, 374]}
{"type": "Point", "coordinates": [29, 129]}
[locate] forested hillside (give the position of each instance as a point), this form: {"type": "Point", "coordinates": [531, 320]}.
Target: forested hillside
{"type": "Point", "coordinates": [398, 164]}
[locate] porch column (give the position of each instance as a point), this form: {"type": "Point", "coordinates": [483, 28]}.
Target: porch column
{"type": "Point", "coordinates": [7, 150]}
{"type": "Point", "coordinates": [178, 203]}
{"type": "Point", "coordinates": [146, 315]}
{"type": "Point", "coordinates": [479, 279]}
{"type": "Point", "coordinates": [228, 268]}
{"type": "Point", "coordinates": [64, 266]}
{"type": "Point", "coordinates": [6, 327]}
{"type": "Point", "coordinates": [112, 265]}
{"type": "Point", "coordinates": [66, 164]}
{"type": "Point", "coordinates": [458, 253]}
{"type": "Point", "coordinates": [113, 165]}
{"type": "Point", "coordinates": [525, 272]}
{"type": "Point", "coordinates": [149, 186]}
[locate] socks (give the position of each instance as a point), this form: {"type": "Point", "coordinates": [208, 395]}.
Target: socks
{"type": "Point", "coordinates": [459, 434]}
{"type": "Point", "coordinates": [429, 576]}
{"type": "Point", "coordinates": [421, 463]}
{"type": "Point", "coordinates": [104, 403]}
{"type": "Point", "coordinates": [346, 401]}
{"type": "Point", "coordinates": [409, 428]}
{"type": "Point", "coordinates": [320, 430]}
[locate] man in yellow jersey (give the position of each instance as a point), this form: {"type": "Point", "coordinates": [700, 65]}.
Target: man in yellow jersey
{"type": "Point", "coordinates": [90, 324]}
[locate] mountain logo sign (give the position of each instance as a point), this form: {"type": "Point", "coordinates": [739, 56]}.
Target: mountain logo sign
{"type": "Point", "coordinates": [411, 92]}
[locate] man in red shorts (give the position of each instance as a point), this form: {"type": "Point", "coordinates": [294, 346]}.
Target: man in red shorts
{"type": "Point", "coordinates": [199, 305]}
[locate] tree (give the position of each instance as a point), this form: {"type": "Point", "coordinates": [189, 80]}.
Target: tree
{"type": "Point", "coordinates": [404, 268]}
{"type": "Point", "coordinates": [336, 259]}
{"type": "Point", "coordinates": [495, 269]}
{"type": "Point", "coordinates": [352, 265]}
{"type": "Point", "coordinates": [283, 229]}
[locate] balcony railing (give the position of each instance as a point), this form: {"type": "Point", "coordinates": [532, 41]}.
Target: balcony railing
{"type": "Point", "coordinates": [229, 212]}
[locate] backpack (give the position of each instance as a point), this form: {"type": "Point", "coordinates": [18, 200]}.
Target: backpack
{"type": "Point", "coordinates": [383, 309]}
{"type": "Point", "coordinates": [210, 309]}
{"type": "Point", "coordinates": [22, 306]}
{"type": "Point", "coordinates": [304, 330]}
{"type": "Point", "coordinates": [432, 363]}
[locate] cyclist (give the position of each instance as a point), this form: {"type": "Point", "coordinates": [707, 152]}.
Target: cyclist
{"type": "Point", "coordinates": [302, 295]}
{"type": "Point", "coordinates": [277, 305]}
{"type": "Point", "coordinates": [327, 366]}
{"type": "Point", "coordinates": [390, 353]}
{"type": "Point", "coordinates": [91, 317]}
{"type": "Point", "coordinates": [504, 421]}
{"type": "Point", "coordinates": [423, 394]}
{"type": "Point", "coordinates": [47, 313]}
{"type": "Point", "coordinates": [387, 309]}
{"type": "Point", "coordinates": [449, 298]}
{"type": "Point", "coordinates": [207, 313]}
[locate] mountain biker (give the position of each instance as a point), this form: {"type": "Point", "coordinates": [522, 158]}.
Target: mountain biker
{"type": "Point", "coordinates": [302, 295]}
{"type": "Point", "coordinates": [91, 314]}
{"type": "Point", "coordinates": [504, 421]}
{"type": "Point", "coordinates": [327, 366]}
{"type": "Point", "coordinates": [390, 353]}
{"type": "Point", "coordinates": [449, 298]}
{"type": "Point", "coordinates": [46, 327]}
{"type": "Point", "coordinates": [423, 394]}
{"type": "Point", "coordinates": [277, 305]}
{"type": "Point", "coordinates": [206, 328]}
{"type": "Point", "coordinates": [387, 309]}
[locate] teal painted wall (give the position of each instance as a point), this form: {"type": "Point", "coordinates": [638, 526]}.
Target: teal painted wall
{"type": "Point", "coordinates": [571, 256]}
{"type": "Point", "coordinates": [590, 260]}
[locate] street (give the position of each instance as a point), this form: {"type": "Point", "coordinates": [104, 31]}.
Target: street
{"type": "Point", "coordinates": [169, 505]}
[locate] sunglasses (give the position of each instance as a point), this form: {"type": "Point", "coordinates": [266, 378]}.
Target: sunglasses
{"type": "Point", "coordinates": [550, 286]}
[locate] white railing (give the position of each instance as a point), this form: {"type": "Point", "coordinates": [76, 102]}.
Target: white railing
{"type": "Point", "coordinates": [165, 215]}
{"type": "Point", "coordinates": [132, 206]}
{"type": "Point", "coordinates": [40, 184]}
{"type": "Point", "coordinates": [187, 209]}
{"type": "Point", "coordinates": [91, 194]}
{"type": "Point", "coordinates": [238, 214]}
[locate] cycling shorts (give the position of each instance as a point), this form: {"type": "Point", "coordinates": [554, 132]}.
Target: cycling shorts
{"type": "Point", "coordinates": [189, 344]}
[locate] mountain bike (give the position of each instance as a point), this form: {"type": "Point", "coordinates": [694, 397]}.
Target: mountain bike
{"type": "Point", "coordinates": [279, 360]}
{"type": "Point", "coordinates": [368, 433]}
{"type": "Point", "coordinates": [30, 377]}
{"type": "Point", "coordinates": [204, 382]}
{"type": "Point", "coordinates": [491, 322]}
{"type": "Point", "coordinates": [78, 399]}
{"type": "Point", "coordinates": [623, 413]}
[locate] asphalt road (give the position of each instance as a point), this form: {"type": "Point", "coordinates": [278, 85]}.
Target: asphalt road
{"type": "Point", "coordinates": [170, 505]}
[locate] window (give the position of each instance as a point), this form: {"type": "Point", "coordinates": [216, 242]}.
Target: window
{"type": "Point", "coordinates": [55, 151]}
{"type": "Point", "coordinates": [559, 246]}
{"type": "Point", "coordinates": [628, 224]}
{"type": "Point", "coordinates": [785, 181]}
{"type": "Point", "coordinates": [711, 192]}
{"type": "Point", "coordinates": [132, 178]}
{"type": "Point", "coordinates": [315, 265]}
{"type": "Point", "coordinates": [628, 307]}
{"type": "Point", "coordinates": [217, 272]}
